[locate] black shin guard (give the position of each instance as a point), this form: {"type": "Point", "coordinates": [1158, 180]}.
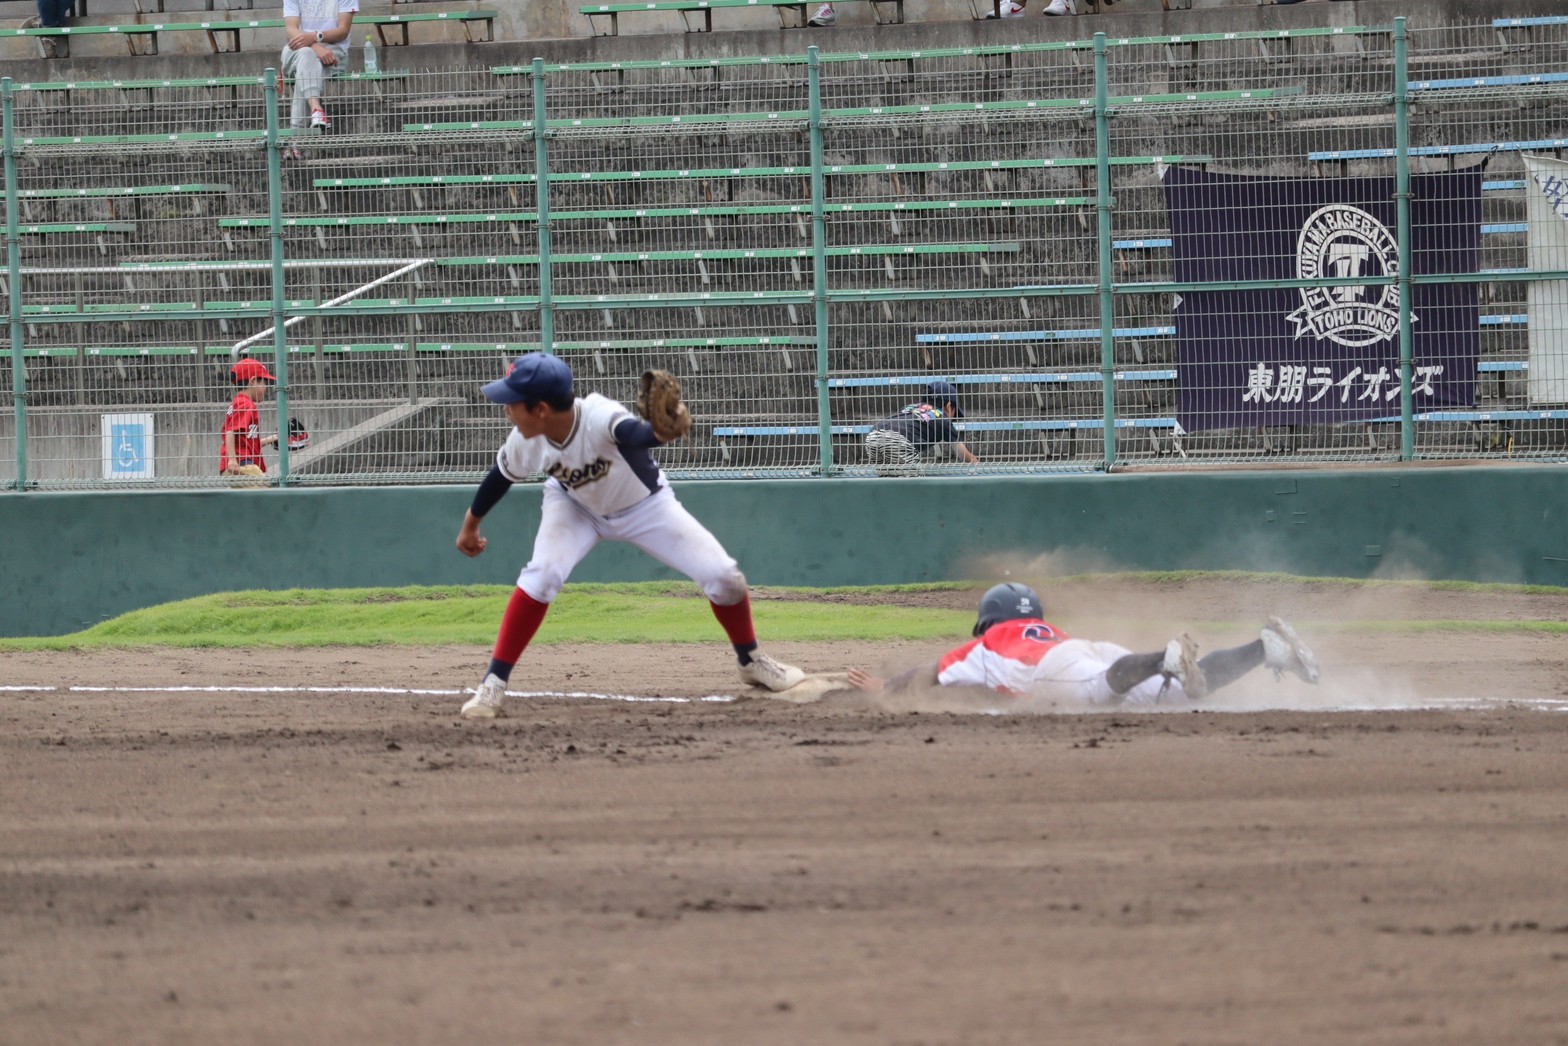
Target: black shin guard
{"type": "Point", "coordinates": [1129, 670]}
{"type": "Point", "coordinates": [1226, 666]}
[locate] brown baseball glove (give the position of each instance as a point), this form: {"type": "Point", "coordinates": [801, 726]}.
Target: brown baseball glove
{"type": "Point", "coordinates": [659, 402]}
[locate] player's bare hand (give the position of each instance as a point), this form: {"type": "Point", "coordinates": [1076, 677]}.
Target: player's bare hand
{"type": "Point", "coordinates": [326, 54]}
{"type": "Point", "coordinates": [469, 541]}
{"type": "Point", "coordinates": [865, 682]}
{"type": "Point", "coordinates": [299, 40]}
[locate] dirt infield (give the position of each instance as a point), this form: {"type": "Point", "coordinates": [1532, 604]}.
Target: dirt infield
{"type": "Point", "coordinates": [333, 866]}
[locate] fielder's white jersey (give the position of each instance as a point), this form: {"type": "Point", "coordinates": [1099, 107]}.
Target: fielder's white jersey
{"type": "Point", "coordinates": [600, 475]}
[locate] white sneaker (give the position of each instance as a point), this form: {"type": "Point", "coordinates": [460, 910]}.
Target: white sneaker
{"type": "Point", "coordinates": [486, 702]}
{"type": "Point", "coordinates": [1060, 7]}
{"type": "Point", "coordinates": [824, 17]}
{"type": "Point", "coordinates": [775, 675]}
{"type": "Point", "coordinates": [1181, 664]}
{"type": "Point", "coordinates": [319, 120]}
{"type": "Point", "coordinates": [1008, 9]}
{"type": "Point", "coordinates": [1283, 651]}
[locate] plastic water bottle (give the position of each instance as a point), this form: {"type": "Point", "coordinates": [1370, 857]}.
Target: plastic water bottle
{"type": "Point", "coordinates": [370, 55]}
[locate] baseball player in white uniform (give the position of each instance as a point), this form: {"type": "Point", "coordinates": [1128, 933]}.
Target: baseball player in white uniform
{"type": "Point", "coordinates": [1017, 653]}
{"type": "Point", "coordinates": [602, 484]}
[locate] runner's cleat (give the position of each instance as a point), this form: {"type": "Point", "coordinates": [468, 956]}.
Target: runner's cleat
{"type": "Point", "coordinates": [1181, 664]}
{"type": "Point", "coordinates": [1283, 651]}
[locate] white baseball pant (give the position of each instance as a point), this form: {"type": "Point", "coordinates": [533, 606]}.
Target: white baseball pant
{"type": "Point", "coordinates": [659, 525]}
{"type": "Point", "coordinates": [1074, 671]}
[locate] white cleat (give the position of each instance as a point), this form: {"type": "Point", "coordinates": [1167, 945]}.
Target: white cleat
{"type": "Point", "coordinates": [1181, 664]}
{"type": "Point", "coordinates": [1283, 651]}
{"type": "Point", "coordinates": [486, 702]}
{"type": "Point", "coordinates": [775, 675]}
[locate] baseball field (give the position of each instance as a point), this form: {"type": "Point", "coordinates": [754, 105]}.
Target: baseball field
{"type": "Point", "coordinates": [306, 845]}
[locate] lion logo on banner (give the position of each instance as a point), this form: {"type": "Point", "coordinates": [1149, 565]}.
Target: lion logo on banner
{"type": "Point", "coordinates": [1341, 241]}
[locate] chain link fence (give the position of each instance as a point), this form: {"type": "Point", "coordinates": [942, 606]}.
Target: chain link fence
{"type": "Point", "coordinates": [1083, 239]}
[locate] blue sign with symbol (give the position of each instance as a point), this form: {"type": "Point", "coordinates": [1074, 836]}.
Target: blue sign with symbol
{"type": "Point", "coordinates": [127, 446]}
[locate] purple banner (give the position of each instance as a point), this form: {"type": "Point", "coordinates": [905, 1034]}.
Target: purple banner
{"type": "Point", "coordinates": [1317, 355]}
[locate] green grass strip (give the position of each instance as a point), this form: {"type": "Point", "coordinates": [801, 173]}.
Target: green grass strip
{"type": "Point", "coordinates": [654, 612]}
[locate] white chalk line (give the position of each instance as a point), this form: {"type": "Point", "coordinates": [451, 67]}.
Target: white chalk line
{"type": "Point", "coordinates": [580, 695]}
{"type": "Point", "coordinates": [1543, 704]}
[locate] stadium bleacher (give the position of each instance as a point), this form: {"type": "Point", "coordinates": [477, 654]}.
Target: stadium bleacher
{"type": "Point", "coordinates": [952, 229]}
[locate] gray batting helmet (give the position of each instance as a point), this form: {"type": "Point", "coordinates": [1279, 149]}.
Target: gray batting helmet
{"type": "Point", "coordinates": [1007, 602]}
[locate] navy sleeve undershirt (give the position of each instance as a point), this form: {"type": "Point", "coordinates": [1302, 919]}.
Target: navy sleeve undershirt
{"type": "Point", "coordinates": [491, 489]}
{"type": "Point", "coordinates": [635, 432]}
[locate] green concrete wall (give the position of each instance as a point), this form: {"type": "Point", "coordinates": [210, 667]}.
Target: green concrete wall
{"type": "Point", "coordinates": [71, 560]}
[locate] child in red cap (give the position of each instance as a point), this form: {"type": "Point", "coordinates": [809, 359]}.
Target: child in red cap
{"type": "Point", "coordinates": [240, 454]}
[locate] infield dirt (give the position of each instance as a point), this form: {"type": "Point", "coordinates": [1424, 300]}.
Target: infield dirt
{"type": "Point", "coordinates": [241, 867]}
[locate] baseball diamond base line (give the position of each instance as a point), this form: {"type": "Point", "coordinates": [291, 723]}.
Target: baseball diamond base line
{"type": "Point", "coordinates": [814, 689]}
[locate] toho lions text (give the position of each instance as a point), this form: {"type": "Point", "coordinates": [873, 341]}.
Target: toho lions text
{"type": "Point", "coordinates": [572, 479]}
{"type": "Point", "coordinates": [1339, 241]}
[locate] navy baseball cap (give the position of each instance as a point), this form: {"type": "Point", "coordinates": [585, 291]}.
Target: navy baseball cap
{"type": "Point", "coordinates": [943, 393]}
{"type": "Point", "coordinates": [535, 377]}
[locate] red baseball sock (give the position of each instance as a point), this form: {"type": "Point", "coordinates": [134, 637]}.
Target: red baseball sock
{"type": "Point", "coordinates": [524, 614]}
{"type": "Point", "coordinates": [736, 621]}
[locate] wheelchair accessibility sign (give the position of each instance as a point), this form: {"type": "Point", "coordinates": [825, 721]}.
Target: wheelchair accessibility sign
{"type": "Point", "coordinates": [127, 446]}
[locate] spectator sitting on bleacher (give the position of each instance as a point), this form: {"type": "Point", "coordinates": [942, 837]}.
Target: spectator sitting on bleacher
{"type": "Point", "coordinates": [898, 443]}
{"type": "Point", "coordinates": [317, 44]}
{"type": "Point", "coordinates": [51, 15]}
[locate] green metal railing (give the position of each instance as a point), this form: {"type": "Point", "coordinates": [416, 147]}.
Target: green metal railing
{"type": "Point", "coordinates": [548, 307]}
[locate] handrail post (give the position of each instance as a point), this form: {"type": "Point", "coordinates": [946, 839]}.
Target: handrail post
{"type": "Point", "coordinates": [542, 204]}
{"type": "Point", "coordinates": [280, 338]}
{"type": "Point", "coordinates": [819, 261]}
{"type": "Point", "coordinates": [1102, 165]}
{"type": "Point", "coordinates": [13, 262]}
{"type": "Point", "coordinates": [1407, 425]}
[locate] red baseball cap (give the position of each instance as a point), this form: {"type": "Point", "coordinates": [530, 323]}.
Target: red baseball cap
{"type": "Point", "coordinates": [248, 369]}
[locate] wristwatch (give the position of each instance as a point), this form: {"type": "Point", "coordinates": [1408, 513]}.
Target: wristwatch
{"type": "Point", "coordinates": [320, 38]}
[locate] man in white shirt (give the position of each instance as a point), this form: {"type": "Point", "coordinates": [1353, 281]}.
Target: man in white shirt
{"type": "Point", "coordinates": [317, 43]}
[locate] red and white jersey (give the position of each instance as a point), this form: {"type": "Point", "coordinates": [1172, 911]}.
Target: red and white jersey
{"type": "Point", "coordinates": [244, 420]}
{"type": "Point", "coordinates": [1006, 658]}
{"type": "Point", "coordinates": [1029, 658]}
{"type": "Point", "coordinates": [599, 474]}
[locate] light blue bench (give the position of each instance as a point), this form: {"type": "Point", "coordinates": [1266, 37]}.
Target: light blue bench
{"type": "Point", "coordinates": [1479, 416]}
{"type": "Point", "coordinates": [1504, 25]}
{"type": "Point", "coordinates": [1078, 334]}
{"type": "Point", "coordinates": [1343, 156]}
{"type": "Point", "coordinates": [1463, 82]}
{"type": "Point", "coordinates": [1048, 378]}
{"type": "Point", "coordinates": [1155, 243]}
{"type": "Point", "coordinates": [1157, 429]}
